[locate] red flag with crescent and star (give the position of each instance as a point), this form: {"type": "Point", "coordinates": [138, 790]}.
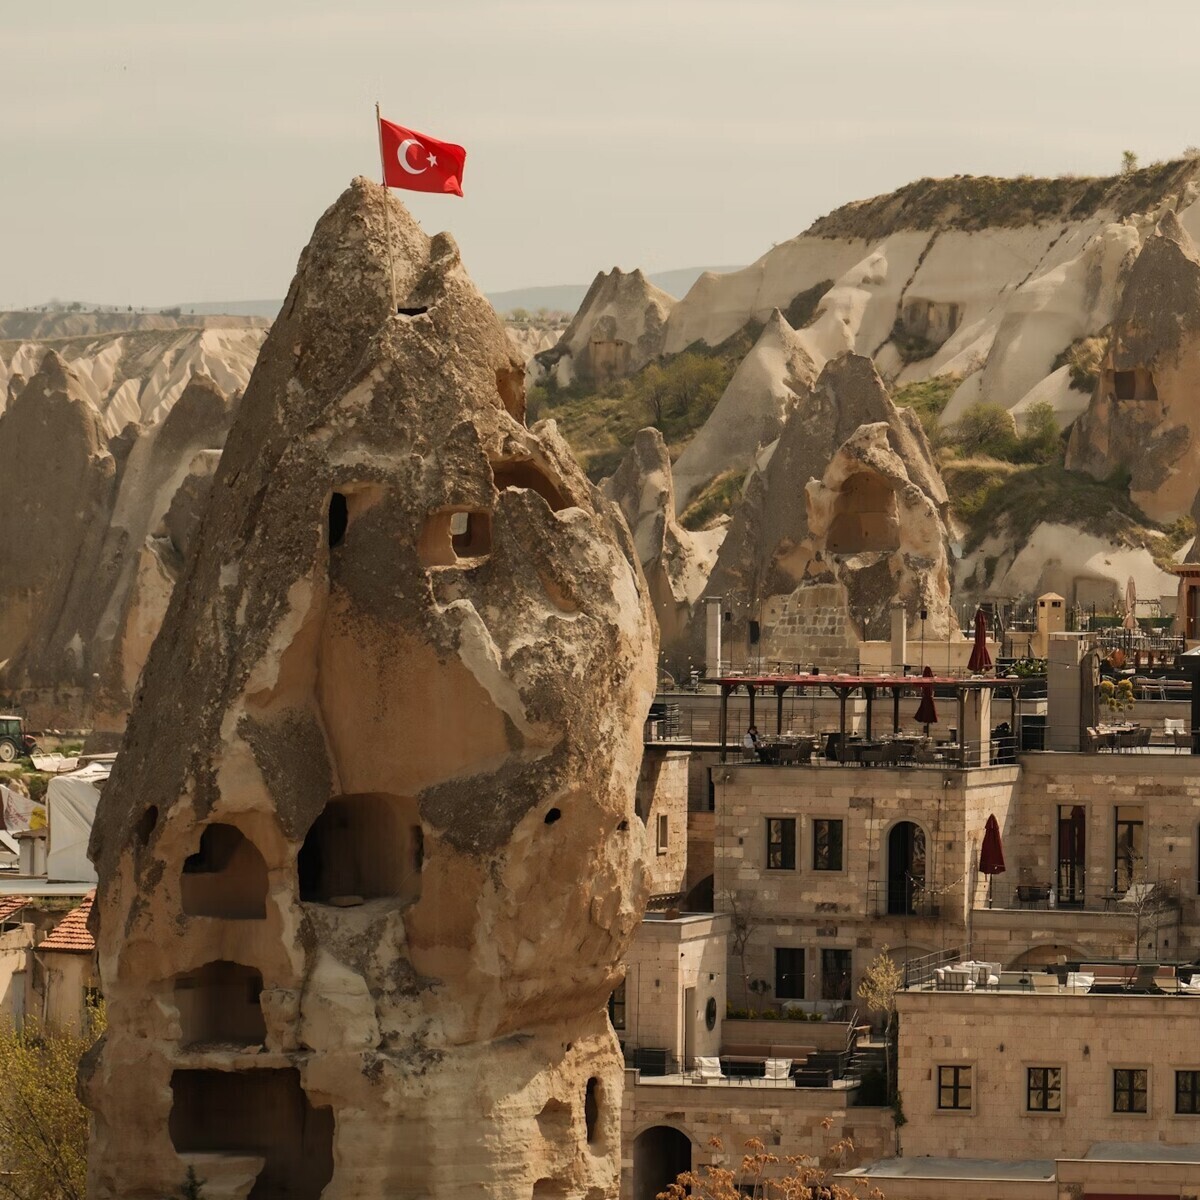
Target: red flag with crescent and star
{"type": "Point", "coordinates": [418, 162]}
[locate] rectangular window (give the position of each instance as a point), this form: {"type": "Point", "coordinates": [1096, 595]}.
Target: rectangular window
{"type": "Point", "coordinates": [827, 845]}
{"type": "Point", "coordinates": [954, 1087]}
{"type": "Point", "coordinates": [781, 843]}
{"type": "Point", "coordinates": [616, 1006]}
{"type": "Point", "coordinates": [1044, 1089]}
{"type": "Point", "coordinates": [789, 973]}
{"type": "Point", "coordinates": [1129, 1090]}
{"type": "Point", "coordinates": [662, 833]}
{"type": "Point", "coordinates": [835, 974]}
{"type": "Point", "coordinates": [1129, 865]}
{"type": "Point", "coordinates": [1187, 1092]}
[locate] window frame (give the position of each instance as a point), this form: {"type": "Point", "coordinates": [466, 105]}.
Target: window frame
{"type": "Point", "coordinates": [1131, 1112]}
{"type": "Point", "coordinates": [841, 845]}
{"type": "Point", "coordinates": [616, 1005]}
{"type": "Point", "coordinates": [1044, 1089]}
{"type": "Point", "coordinates": [1195, 1074]}
{"type": "Point", "coordinates": [849, 952]}
{"type": "Point", "coordinates": [800, 976]}
{"type": "Point", "coordinates": [787, 845]}
{"type": "Point", "coordinates": [662, 833]}
{"type": "Point", "coordinates": [956, 1087]}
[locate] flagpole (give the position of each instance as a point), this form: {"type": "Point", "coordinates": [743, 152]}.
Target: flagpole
{"type": "Point", "coordinates": [387, 204]}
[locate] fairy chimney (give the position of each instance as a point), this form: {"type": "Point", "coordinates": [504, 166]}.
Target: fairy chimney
{"type": "Point", "coordinates": [369, 857]}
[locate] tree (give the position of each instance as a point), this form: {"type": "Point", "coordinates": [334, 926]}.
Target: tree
{"type": "Point", "coordinates": [743, 923]}
{"type": "Point", "coordinates": [877, 990]}
{"type": "Point", "coordinates": [1129, 162]}
{"type": "Point", "coordinates": [1041, 441]}
{"type": "Point", "coordinates": [43, 1125]}
{"type": "Point", "coordinates": [986, 429]}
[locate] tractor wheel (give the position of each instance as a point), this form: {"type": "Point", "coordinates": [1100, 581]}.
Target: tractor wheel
{"type": "Point", "coordinates": [8, 752]}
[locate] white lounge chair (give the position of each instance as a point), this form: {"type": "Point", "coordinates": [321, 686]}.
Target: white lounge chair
{"type": "Point", "coordinates": [706, 1069]}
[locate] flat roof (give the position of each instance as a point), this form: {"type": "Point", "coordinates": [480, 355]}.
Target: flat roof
{"type": "Point", "coordinates": [25, 885]}
{"type": "Point", "coordinates": [1029, 1169]}
{"type": "Point", "coordinates": [1141, 1152]}
{"type": "Point", "coordinates": [853, 681]}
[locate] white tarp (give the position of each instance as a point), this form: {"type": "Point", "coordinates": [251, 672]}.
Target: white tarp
{"type": "Point", "coordinates": [20, 812]}
{"type": "Point", "coordinates": [71, 803]}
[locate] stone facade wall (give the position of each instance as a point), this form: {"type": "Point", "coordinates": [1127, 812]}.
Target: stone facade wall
{"type": "Point", "coordinates": [847, 909]}
{"type": "Point", "coordinates": [810, 626]}
{"type": "Point", "coordinates": [1001, 1035]}
{"type": "Point", "coordinates": [789, 1120]}
{"type": "Point", "coordinates": [662, 796]}
{"type": "Point", "coordinates": [672, 970]}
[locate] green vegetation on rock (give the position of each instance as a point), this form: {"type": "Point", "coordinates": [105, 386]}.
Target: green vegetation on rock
{"type": "Point", "coordinates": [675, 395]}
{"type": "Point", "coordinates": [928, 398]}
{"type": "Point", "coordinates": [983, 201]}
{"type": "Point", "coordinates": [1083, 356]}
{"type": "Point", "coordinates": [714, 501]}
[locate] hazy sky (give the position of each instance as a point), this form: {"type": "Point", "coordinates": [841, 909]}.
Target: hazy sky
{"type": "Point", "coordinates": [158, 152]}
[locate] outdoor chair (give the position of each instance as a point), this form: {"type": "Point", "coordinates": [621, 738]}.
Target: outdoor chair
{"type": "Point", "coordinates": [1183, 741]}
{"type": "Point", "coordinates": [1143, 738]}
{"type": "Point", "coordinates": [706, 1069]}
{"type": "Point", "coordinates": [778, 1069]}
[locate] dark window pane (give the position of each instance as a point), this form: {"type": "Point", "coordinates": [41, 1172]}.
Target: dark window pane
{"type": "Point", "coordinates": [827, 845]}
{"type": "Point", "coordinates": [789, 973]}
{"type": "Point", "coordinates": [835, 974]}
{"type": "Point", "coordinates": [781, 843]}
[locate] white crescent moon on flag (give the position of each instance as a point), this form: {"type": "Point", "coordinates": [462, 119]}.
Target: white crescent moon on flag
{"type": "Point", "coordinates": [402, 155]}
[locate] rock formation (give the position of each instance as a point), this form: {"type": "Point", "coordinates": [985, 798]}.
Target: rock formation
{"type": "Point", "coordinates": [617, 330]}
{"type": "Point", "coordinates": [369, 857]}
{"type": "Point", "coordinates": [847, 517]}
{"type": "Point", "coordinates": [26, 325]}
{"type": "Point", "coordinates": [675, 561]}
{"type": "Point", "coordinates": [92, 452]}
{"type": "Point", "coordinates": [751, 411]}
{"type": "Point", "coordinates": [1143, 416]}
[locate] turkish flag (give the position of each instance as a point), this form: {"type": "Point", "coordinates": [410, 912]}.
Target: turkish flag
{"type": "Point", "coordinates": [418, 162]}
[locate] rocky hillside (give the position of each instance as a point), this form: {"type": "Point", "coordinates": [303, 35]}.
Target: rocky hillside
{"type": "Point", "coordinates": [1043, 310]}
{"type": "Point", "coordinates": [107, 446]}
{"type": "Point", "coordinates": [62, 323]}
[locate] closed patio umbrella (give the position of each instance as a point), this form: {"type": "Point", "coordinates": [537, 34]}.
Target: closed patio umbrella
{"type": "Point", "coordinates": [980, 659]}
{"type": "Point", "coordinates": [1130, 604]}
{"type": "Point", "coordinates": [991, 853]}
{"type": "Point", "coordinates": [926, 711]}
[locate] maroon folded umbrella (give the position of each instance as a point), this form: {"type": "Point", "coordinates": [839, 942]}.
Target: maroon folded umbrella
{"type": "Point", "coordinates": [991, 853]}
{"type": "Point", "coordinates": [980, 659]}
{"type": "Point", "coordinates": [926, 711]}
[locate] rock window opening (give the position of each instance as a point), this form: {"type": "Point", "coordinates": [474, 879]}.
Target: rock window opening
{"type": "Point", "coordinates": [1124, 385]}
{"type": "Point", "coordinates": [1134, 384]}
{"type": "Point", "coordinates": [339, 518]}
{"type": "Point", "coordinates": [865, 517]}
{"type": "Point", "coordinates": [218, 1005]}
{"type": "Point", "coordinates": [455, 534]}
{"type": "Point", "coordinates": [370, 846]}
{"type": "Point", "coordinates": [418, 310]}
{"type": "Point", "coordinates": [146, 824]}
{"type": "Point", "coordinates": [527, 474]}
{"type": "Point", "coordinates": [591, 1108]}
{"type": "Point", "coordinates": [265, 1114]}
{"type": "Point", "coordinates": [553, 816]}
{"type": "Point", "coordinates": [226, 877]}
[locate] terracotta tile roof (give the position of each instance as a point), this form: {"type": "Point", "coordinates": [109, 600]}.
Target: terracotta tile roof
{"type": "Point", "coordinates": [71, 933]}
{"type": "Point", "coordinates": [10, 906]}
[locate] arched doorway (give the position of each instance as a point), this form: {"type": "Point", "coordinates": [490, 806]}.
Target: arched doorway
{"type": "Point", "coordinates": [660, 1154]}
{"type": "Point", "coordinates": [906, 868]}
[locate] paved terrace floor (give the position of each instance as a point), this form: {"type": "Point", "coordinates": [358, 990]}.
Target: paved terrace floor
{"type": "Point", "coordinates": [1040, 1170]}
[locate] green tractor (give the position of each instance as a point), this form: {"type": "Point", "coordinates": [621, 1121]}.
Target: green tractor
{"type": "Point", "coordinates": [14, 741]}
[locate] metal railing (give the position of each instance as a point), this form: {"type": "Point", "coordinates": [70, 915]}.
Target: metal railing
{"type": "Point", "coordinates": [1080, 890]}
{"type": "Point", "coordinates": [922, 970]}
{"type": "Point", "coordinates": [820, 1069]}
{"type": "Point", "coordinates": [906, 897]}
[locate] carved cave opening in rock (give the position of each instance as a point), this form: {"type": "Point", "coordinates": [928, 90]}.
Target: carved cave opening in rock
{"type": "Point", "coordinates": [591, 1108]}
{"type": "Point", "coordinates": [865, 516]}
{"type": "Point", "coordinates": [226, 877]}
{"type": "Point", "coordinates": [146, 824]}
{"type": "Point", "coordinates": [1136, 383]}
{"type": "Point", "coordinates": [218, 1004]}
{"type": "Point", "coordinates": [256, 1112]}
{"type": "Point", "coordinates": [660, 1154]}
{"type": "Point", "coordinates": [454, 534]}
{"type": "Point", "coordinates": [368, 845]}
{"type": "Point", "coordinates": [339, 518]}
{"type": "Point", "coordinates": [527, 474]}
